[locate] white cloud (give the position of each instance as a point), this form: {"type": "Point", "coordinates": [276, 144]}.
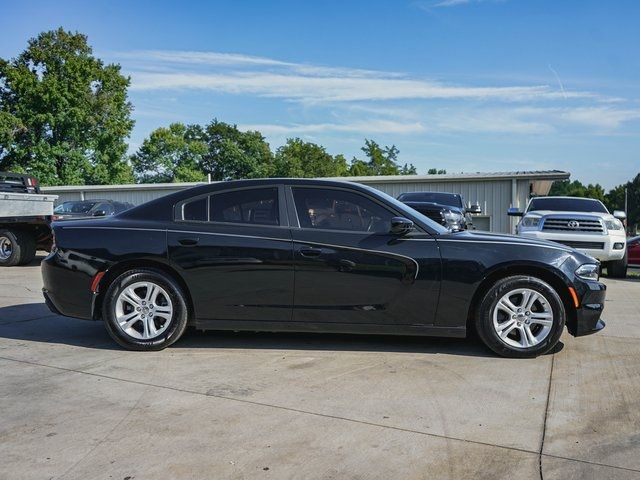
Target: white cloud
{"type": "Point", "coordinates": [375, 126]}
{"type": "Point", "coordinates": [424, 5]}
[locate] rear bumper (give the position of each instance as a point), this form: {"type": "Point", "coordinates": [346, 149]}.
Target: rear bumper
{"type": "Point", "coordinates": [587, 319]}
{"type": "Point", "coordinates": [66, 291]}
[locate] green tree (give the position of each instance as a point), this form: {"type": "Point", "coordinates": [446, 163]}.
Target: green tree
{"type": "Point", "coordinates": [64, 115]}
{"type": "Point", "coordinates": [436, 171]}
{"type": "Point", "coordinates": [566, 188]}
{"type": "Point", "coordinates": [232, 154]}
{"type": "Point", "coordinates": [298, 158]}
{"type": "Point", "coordinates": [171, 154]}
{"type": "Point", "coordinates": [381, 161]}
{"type": "Point", "coordinates": [615, 201]}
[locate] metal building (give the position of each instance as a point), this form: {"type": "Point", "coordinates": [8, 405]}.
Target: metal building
{"type": "Point", "coordinates": [494, 192]}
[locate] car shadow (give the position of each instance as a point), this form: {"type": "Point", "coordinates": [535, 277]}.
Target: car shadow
{"type": "Point", "coordinates": [34, 323]}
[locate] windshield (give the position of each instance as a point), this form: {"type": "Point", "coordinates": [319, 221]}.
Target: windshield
{"type": "Point", "coordinates": [451, 199]}
{"type": "Point", "coordinates": [409, 211]}
{"type": "Point", "coordinates": [74, 207]}
{"type": "Point", "coordinates": [572, 204]}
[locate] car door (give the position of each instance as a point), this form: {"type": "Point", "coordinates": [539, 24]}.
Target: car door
{"type": "Point", "coordinates": [234, 251]}
{"type": "Point", "coordinates": [349, 269]}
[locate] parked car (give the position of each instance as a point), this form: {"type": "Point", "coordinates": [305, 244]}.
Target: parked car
{"type": "Point", "coordinates": [582, 223]}
{"type": "Point", "coordinates": [633, 251]}
{"type": "Point", "coordinates": [447, 209]}
{"type": "Point", "coordinates": [77, 209]}
{"type": "Point", "coordinates": [25, 219]}
{"type": "Point", "coordinates": [314, 256]}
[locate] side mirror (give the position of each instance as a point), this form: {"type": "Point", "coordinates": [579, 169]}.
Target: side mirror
{"type": "Point", "coordinates": [474, 209]}
{"type": "Point", "coordinates": [619, 214]}
{"type": "Point", "coordinates": [400, 226]}
{"type": "Point", "coordinates": [515, 212]}
{"type": "Point", "coordinates": [99, 213]}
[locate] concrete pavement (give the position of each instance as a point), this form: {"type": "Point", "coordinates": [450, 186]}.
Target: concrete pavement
{"type": "Point", "coordinates": [255, 405]}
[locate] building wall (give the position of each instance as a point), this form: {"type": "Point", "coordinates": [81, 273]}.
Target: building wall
{"type": "Point", "coordinates": [493, 196]}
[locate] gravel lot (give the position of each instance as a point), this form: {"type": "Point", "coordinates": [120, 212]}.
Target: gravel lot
{"type": "Point", "coordinates": [249, 405]}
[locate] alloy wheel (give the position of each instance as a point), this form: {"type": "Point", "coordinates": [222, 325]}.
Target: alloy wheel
{"type": "Point", "coordinates": [523, 318]}
{"type": "Point", "coordinates": [143, 310]}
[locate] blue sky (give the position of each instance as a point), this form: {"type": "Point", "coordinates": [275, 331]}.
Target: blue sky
{"type": "Point", "coordinates": [475, 85]}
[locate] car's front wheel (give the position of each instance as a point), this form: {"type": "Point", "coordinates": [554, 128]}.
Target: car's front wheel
{"type": "Point", "coordinates": [520, 316]}
{"type": "Point", "coordinates": [145, 309]}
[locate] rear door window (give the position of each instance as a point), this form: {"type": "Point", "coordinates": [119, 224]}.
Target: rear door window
{"type": "Point", "coordinates": [257, 206]}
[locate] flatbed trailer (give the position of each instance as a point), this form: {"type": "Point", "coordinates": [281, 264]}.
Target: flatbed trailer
{"type": "Point", "coordinates": [25, 219]}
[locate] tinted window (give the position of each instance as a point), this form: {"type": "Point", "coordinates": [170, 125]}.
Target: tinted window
{"type": "Point", "coordinates": [566, 205]}
{"type": "Point", "coordinates": [340, 210]}
{"type": "Point", "coordinates": [256, 206]}
{"type": "Point", "coordinates": [195, 210]}
{"type": "Point", "coordinates": [451, 199]}
{"type": "Point", "coordinates": [75, 207]}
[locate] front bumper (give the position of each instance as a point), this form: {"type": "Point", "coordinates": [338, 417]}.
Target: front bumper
{"type": "Point", "coordinates": [587, 319]}
{"type": "Point", "coordinates": [605, 254]}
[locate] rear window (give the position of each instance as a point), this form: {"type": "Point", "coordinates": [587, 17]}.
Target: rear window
{"type": "Point", "coordinates": [567, 205]}
{"type": "Point", "coordinates": [256, 206]}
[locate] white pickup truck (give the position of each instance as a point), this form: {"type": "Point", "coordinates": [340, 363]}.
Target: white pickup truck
{"type": "Point", "coordinates": [582, 223]}
{"type": "Point", "coordinates": [25, 219]}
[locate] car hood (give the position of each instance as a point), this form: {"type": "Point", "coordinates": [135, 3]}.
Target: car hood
{"type": "Point", "coordinates": [433, 206]}
{"type": "Point", "coordinates": [606, 216]}
{"type": "Point", "coordinates": [478, 236]}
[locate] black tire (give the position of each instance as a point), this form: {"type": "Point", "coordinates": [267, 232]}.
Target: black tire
{"type": "Point", "coordinates": [618, 268]}
{"type": "Point", "coordinates": [22, 247]}
{"type": "Point", "coordinates": [485, 309]}
{"type": "Point", "coordinates": [177, 323]}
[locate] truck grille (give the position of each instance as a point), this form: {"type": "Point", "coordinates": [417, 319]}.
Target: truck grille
{"type": "Point", "coordinates": [572, 225]}
{"type": "Point", "coordinates": [587, 245]}
{"type": "Point", "coordinates": [436, 216]}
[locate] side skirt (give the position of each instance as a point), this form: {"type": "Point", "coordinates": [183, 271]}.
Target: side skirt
{"type": "Point", "coordinates": [364, 328]}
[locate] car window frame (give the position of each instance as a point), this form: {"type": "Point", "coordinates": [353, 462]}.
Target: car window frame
{"type": "Point", "coordinates": [295, 221]}
{"type": "Point", "coordinates": [283, 221]}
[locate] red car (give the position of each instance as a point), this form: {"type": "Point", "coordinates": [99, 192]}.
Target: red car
{"type": "Point", "coordinates": [633, 251]}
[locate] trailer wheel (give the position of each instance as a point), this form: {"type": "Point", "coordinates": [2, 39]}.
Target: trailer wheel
{"type": "Point", "coordinates": [16, 247]}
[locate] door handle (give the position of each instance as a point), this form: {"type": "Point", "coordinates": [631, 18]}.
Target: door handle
{"type": "Point", "coordinates": [188, 242]}
{"type": "Point", "coordinates": [310, 252]}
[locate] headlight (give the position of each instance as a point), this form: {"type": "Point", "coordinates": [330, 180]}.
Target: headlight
{"type": "Point", "coordinates": [453, 219]}
{"type": "Point", "coordinates": [614, 224]}
{"type": "Point", "coordinates": [588, 271]}
{"type": "Point", "coordinates": [530, 221]}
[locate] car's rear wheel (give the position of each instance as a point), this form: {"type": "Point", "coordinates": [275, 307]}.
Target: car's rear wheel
{"type": "Point", "coordinates": [520, 316]}
{"type": "Point", "coordinates": [618, 268]}
{"type": "Point", "coordinates": [145, 309]}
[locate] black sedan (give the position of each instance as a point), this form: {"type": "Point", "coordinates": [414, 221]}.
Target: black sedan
{"type": "Point", "coordinates": [447, 209]}
{"type": "Point", "coordinates": [316, 256]}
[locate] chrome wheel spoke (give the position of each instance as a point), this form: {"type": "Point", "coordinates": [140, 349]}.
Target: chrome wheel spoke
{"type": "Point", "coordinates": [507, 306]}
{"type": "Point", "coordinates": [505, 328]}
{"type": "Point", "coordinates": [547, 322]}
{"type": "Point", "coordinates": [132, 297]}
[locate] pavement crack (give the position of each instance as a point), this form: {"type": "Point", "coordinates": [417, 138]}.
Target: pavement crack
{"type": "Point", "coordinates": [546, 415]}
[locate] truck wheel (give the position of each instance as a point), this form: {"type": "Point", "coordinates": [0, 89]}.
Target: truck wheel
{"type": "Point", "coordinates": [16, 247]}
{"type": "Point", "coordinates": [618, 268]}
